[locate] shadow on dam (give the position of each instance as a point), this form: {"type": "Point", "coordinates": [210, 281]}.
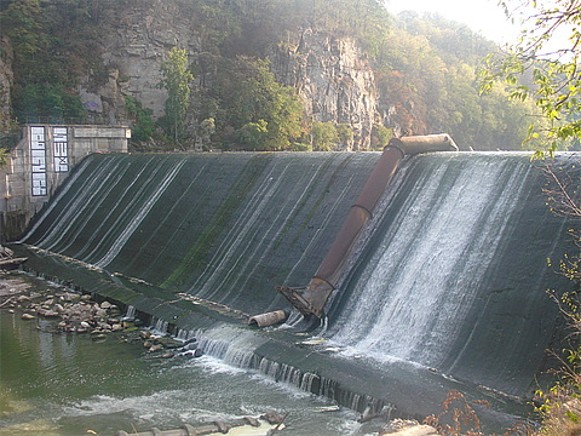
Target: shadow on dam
{"type": "Point", "coordinates": [446, 291]}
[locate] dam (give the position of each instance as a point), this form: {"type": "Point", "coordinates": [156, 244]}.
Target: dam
{"type": "Point", "coordinates": [445, 289]}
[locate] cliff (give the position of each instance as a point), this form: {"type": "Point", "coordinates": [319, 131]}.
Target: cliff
{"type": "Point", "coordinates": [353, 66]}
{"type": "Point", "coordinates": [334, 78]}
{"type": "Point", "coordinates": [332, 75]}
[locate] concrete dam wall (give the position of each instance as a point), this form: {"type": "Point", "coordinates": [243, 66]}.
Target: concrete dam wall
{"type": "Point", "coordinates": [225, 227]}
{"type": "Point", "coordinates": [451, 276]}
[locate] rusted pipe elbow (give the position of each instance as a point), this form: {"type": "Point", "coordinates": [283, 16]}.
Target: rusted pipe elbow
{"type": "Point", "coordinates": [268, 319]}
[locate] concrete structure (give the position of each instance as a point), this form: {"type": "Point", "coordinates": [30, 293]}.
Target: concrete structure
{"type": "Point", "coordinates": [42, 160]}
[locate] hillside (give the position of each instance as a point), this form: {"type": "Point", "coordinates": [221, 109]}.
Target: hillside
{"type": "Point", "coordinates": [268, 74]}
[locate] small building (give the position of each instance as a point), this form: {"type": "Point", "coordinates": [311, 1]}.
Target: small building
{"type": "Point", "coordinates": [42, 160]}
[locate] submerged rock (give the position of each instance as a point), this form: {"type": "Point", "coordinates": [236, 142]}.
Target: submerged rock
{"type": "Point", "coordinates": [168, 342]}
{"type": "Point", "coordinates": [99, 337]}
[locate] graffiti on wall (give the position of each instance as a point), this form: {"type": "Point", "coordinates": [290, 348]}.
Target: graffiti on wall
{"type": "Point", "coordinates": [60, 149]}
{"type": "Point", "coordinates": [38, 160]}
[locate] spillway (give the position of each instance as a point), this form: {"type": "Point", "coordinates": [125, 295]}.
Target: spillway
{"type": "Point", "coordinates": [222, 227]}
{"type": "Point", "coordinates": [455, 274]}
{"type": "Point", "coordinates": [447, 288]}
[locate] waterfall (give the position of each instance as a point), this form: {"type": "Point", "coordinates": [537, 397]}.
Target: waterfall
{"type": "Point", "coordinates": [159, 326]}
{"type": "Point", "coordinates": [130, 313]}
{"type": "Point", "coordinates": [138, 217]}
{"type": "Point", "coordinates": [239, 349]}
{"type": "Point", "coordinates": [425, 275]}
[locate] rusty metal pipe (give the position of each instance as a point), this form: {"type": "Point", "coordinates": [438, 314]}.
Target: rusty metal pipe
{"type": "Point", "coordinates": [312, 300]}
{"type": "Point", "coordinates": [268, 319]}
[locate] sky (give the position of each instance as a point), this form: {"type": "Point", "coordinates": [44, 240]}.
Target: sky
{"type": "Point", "coordinates": [482, 16]}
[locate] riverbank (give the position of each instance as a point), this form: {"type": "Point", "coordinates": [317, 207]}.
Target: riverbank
{"type": "Point", "coordinates": [60, 377]}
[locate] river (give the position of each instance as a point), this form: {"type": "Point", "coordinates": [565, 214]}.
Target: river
{"type": "Point", "coordinates": [67, 384]}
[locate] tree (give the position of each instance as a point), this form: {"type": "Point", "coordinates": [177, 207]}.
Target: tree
{"type": "Point", "coordinates": [346, 135]}
{"type": "Point", "coordinates": [3, 156]}
{"type": "Point", "coordinates": [380, 136]}
{"type": "Point", "coordinates": [177, 79]}
{"type": "Point", "coordinates": [254, 135]}
{"type": "Point", "coordinates": [247, 96]}
{"type": "Point", "coordinates": [143, 127]}
{"type": "Point", "coordinates": [564, 199]}
{"type": "Point", "coordinates": [324, 136]}
{"type": "Point", "coordinates": [544, 67]}
{"type": "Point", "coordinates": [205, 131]}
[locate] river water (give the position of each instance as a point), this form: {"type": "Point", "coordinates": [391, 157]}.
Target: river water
{"type": "Point", "coordinates": [59, 384]}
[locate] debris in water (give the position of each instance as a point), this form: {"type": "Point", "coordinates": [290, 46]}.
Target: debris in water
{"type": "Point", "coordinates": [327, 409]}
{"type": "Point", "coordinates": [313, 341]}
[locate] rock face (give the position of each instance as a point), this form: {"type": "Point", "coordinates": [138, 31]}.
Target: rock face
{"type": "Point", "coordinates": [6, 80]}
{"type": "Point", "coordinates": [334, 79]}
{"type": "Point", "coordinates": [140, 36]}
{"type": "Point", "coordinates": [332, 75]}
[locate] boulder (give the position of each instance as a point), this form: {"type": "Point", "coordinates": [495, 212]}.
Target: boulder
{"type": "Point", "coordinates": [47, 313]}
{"type": "Point", "coordinates": [155, 347]}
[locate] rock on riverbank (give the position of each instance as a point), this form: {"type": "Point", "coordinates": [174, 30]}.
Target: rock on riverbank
{"type": "Point", "coordinates": [59, 310]}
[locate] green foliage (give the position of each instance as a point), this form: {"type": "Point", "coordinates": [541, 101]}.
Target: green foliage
{"type": "Point", "coordinates": [50, 102]}
{"type": "Point", "coordinates": [206, 129]}
{"type": "Point", "coordinates": [143, 127]}
{"type": "Point", "coordinates": [380, 136]}
{"type": "Point", "coordinates": [427, 71]}
{"type": "Point", "coordinates": [300, 146]}
{"type": "Point", "coordinates": [177, 80]}
{"type": "Point", "coordinates": [424, 68]}
{"type": "Point", "coordinates": [254, 135]}
{"type": "Point", "coordinates": [345, 134]}
{"type": "Point", "coordinates": [324, 136]}
{"type": "Point", "coordinates": [54, 43]}
{"type": "Point", "coordinates": [250, 107]}
{"type": "Point", "coordinates": [21, 21]}
{"type": "Point", "coordinates": [532, 69]}
{"type": "Point", "coordinates": [3, 156]}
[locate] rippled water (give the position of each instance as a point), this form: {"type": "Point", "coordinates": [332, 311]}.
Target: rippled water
{"type": "Point", "coordinates": [65, 385]}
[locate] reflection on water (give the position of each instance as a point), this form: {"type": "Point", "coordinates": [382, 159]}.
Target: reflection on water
{"type": "Point", "coordinates": [68, 384]}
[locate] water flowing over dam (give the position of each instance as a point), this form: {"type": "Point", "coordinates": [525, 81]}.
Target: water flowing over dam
{"type": "Point", "coordinates": [454, 276]}
{"type": "Point", "coordinates": [225, 227]}
{"type": "Point", "coordinates": [451, 275]}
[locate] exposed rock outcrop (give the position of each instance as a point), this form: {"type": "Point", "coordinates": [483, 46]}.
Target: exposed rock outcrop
{"type": "Point", "coordinates": [331, 74]}
{"type": "Point", "coordinates": [134, 48]}
{"type": "Point", "coordinates": [335, 80]}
